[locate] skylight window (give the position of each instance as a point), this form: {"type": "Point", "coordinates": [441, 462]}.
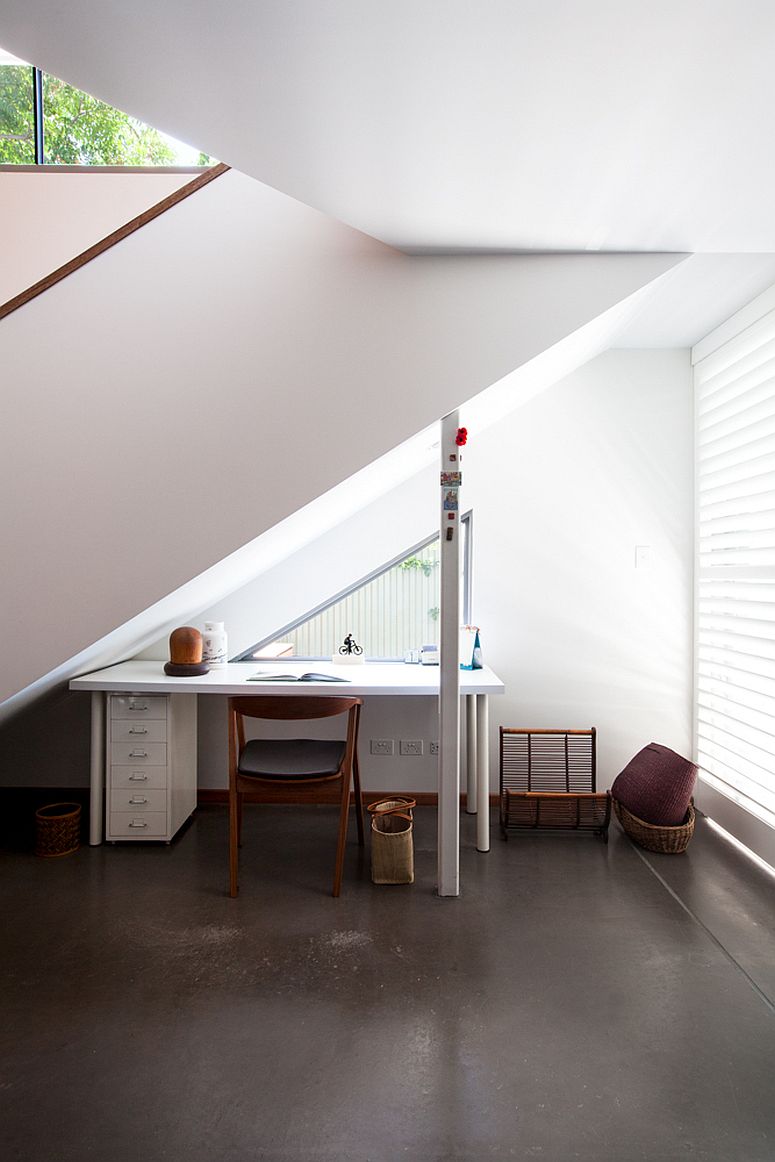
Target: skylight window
{"type": "Point", "coordinates": [45, 121]}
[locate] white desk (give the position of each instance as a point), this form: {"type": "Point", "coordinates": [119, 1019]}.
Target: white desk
{"type": "Point", "coordinates": [373, 679]}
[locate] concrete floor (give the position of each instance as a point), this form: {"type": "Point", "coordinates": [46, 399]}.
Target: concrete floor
{"type": "Point", "coordinates": [576, 1002]}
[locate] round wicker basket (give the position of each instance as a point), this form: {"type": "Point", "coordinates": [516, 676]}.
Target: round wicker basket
{"type": "Point", "coordinates": [57, 829]}
{"type": "Point", "coordinates": [667, 840]}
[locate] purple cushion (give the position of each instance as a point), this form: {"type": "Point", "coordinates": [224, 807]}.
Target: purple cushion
{"type": "Point", "coordinates": [656, 786]}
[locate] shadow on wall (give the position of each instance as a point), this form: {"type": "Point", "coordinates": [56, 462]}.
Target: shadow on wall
{"type": "Point", "coordinates": [46, 744]}
{"type": "Point", "coordinates": [44, 756]}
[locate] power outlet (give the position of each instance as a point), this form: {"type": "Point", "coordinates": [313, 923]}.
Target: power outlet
{"type": "Point", "coordinates": [434, 748]}
{"type": "Point", "coordinates": [381, 746]}
{"type": "Point", "coordinates": [411, 746]}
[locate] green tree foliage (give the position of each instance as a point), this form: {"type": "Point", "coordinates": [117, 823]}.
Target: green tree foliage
{"type": "Point", "coordinates": [17, 133]}
{"type": "Point", "coordinates": [77, 129]}
{"type": "Point", "coordinates": [426, 565]}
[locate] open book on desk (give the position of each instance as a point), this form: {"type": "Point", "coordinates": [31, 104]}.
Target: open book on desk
{"type": "Point", "coordinates": [263, 676]}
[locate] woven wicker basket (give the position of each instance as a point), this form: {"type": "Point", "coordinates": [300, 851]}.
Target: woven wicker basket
{"type": "Point", "coordinates": [392, 843]}
{"type": "Point", "coordinates": [57, 829]}
{"type": "Point", "coordinates": [667, 840]}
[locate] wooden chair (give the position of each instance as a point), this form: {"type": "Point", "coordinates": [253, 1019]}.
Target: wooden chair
{"type": "Point", "coordinates": [293, 770]}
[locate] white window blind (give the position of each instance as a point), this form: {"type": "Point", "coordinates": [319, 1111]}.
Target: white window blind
{"type": "Point", "coordinates": [735, 710]}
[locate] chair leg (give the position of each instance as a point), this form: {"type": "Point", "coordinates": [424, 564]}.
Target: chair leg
{"type": "Point", "coordinates": [344, 812]}
{"type": "Point", "coordinates": [233, 841]}
{"type": "Point", "coordinates": [358, 799]}
{"type": "Point", "coordinates": [240, 797]}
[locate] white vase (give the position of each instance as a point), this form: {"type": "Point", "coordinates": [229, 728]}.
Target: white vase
{"type": "Point", "coordinates": [215, 645]}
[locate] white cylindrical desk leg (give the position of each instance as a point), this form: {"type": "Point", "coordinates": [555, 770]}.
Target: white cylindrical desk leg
{"type": "Point", "coordinates": [97, 769]}
{"type": "Point", "coordinates": [471, 773]}
{"type": "Point", "coordinates": [483, 774]}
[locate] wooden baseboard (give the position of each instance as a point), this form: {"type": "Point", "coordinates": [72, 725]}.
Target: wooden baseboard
{"type": "Point", "coordinates": [207, 796]}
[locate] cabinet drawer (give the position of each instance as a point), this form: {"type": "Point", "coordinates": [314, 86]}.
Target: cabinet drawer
{"type": "Point", "coordinates": [134, 778]}
{"type": "Point", "coordinates": [139, 754]}
{"type": "Point", "coordinates": [151, 825]}
{"type": "Point", "coordinates": [130, 730]}
{"type": "Point", "coordinates": [138, 706]}
{"type": "Point", "coordinates": [137, 800]}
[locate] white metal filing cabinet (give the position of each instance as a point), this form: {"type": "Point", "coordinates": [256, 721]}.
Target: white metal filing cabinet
{"type": "Point", "coordinates": [151, 765]}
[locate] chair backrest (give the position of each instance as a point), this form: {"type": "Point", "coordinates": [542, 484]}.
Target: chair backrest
{"type": "Point", "coordinates": [289, 707]}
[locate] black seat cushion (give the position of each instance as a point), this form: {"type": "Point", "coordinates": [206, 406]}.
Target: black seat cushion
{"type": "Point", "coordinates": [291, 758]}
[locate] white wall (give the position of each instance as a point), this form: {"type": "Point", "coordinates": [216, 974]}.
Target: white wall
{"type": "Point", "coordinates": [584, 473]}
{"type": "Point", "coordinates": [49, 217]}
{"type": "Point", "coordinates": [562, 492]}
{"type": "Point", "coordinates": [220, 369]}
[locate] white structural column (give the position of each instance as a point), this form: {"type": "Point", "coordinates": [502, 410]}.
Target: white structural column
{"type": "Point", "coordinates": [482, 774]}
{"type": "Point", "coordinates": [97, 771]}
{"type": "Point", "coordinates": [449, 676]}
{"type": "Point", "coordinates": [471, 756]}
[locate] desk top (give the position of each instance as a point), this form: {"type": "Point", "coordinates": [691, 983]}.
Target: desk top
{"type": "Point", "coordinates": [395, 678]}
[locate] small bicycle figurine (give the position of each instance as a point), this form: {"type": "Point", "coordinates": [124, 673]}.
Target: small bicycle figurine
{"type": "Point", "coordinates": [350, 646]}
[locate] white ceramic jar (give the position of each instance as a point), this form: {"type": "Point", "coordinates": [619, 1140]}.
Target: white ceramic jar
{"type": "Point", "coordinates": [215, 645]}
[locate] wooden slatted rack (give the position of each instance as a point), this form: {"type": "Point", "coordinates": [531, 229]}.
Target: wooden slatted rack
{"type": "Point", "coordinates": [548, 782]}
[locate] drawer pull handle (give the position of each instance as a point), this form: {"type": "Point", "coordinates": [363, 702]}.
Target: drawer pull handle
{"type": "Point", "coordinates": [138, 706]}
{"type": "Point", "coordinates": [138, 823]}
{"type": "Point", "coordinates": [138, 730]}
{"type": "Point", "coordinates": [138, 754]}
{"type": "Point", "coordinates": [136, 800]}
{"type": "Point", "coordinates": [138, 778]}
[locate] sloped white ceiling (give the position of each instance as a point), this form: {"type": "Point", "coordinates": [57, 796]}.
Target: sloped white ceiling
{"type": "Point", "coordinates": [322, 520]}
{"type": "Point", "coordinates": [438, 124]}
{"type": "Point", "coordinates": [221, 369]}
{"type": "Point", "coordinates": [434, 126]}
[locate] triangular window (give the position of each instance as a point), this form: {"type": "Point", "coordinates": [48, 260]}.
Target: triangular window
{"type": "Point", "coordinates": [390, 613]}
